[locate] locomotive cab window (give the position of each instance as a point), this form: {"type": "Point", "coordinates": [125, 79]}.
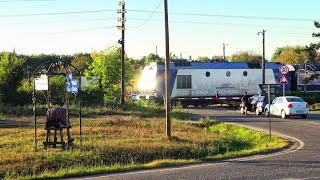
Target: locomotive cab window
{"type": "Point", "coordinates": [184, 82]}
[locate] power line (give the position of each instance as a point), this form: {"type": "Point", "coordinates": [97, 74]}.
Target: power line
{"type": "Point", "coordinates": [81, 30]}
{"type": "Point", "coordinates": [13, 1]}
{"type": "Point", "coordinates": [146, 20]}
{"type": "Point", "coordinates": [155, 11]}
{"type": "Point", "coordinates": [227, 16]}
{"type": "Point", "coordinates": [56, 13]}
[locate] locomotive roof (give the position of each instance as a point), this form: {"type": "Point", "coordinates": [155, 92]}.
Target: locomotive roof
{"type": "Point", "coordinates": [222, 65]}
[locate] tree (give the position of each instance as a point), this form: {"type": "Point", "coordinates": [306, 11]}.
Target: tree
{"type": "Point", "coordinates": [151, 58]}
{"type": "Point", "coordinates": [82, 61]}
{"type": "Point", "coordinates": [203, 58]}
{"type": "Point", "coordinates": [11, 75]}
{"type": "Point", "coordinates": [277, 53]}
{"type": "Point", "coordinates": [312, 49]}
{"type": "Point", "coordinates": [291, 55]}
{"type": "Point", "coordinates": [106, 67]}
{"type": "Point", "coordinates": [246, 56]}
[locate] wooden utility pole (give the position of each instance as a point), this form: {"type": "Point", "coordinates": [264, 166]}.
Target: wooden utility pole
{"type": "Point", "coordinates": [122, 11]}
{"type": "Point", "coordinates": [224, 51]}
{"type": "Point", "coordinates": [167, 71]}
{"type": "Point", "coordinates": [263, 32]}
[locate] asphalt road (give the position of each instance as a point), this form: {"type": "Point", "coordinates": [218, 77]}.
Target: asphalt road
{"type": "Point", "coordinates": [302, 161]}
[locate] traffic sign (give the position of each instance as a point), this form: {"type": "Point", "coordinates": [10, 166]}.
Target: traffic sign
{"type": "Point", "coordinates": [283, 80]}
{"type": "Point", "coordinates": [72, 86]}
{"type": "Point", "coordinates": [283, 69]}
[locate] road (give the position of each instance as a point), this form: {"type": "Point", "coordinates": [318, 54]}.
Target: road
{"type": "Point", "coordinates": [301, 162]}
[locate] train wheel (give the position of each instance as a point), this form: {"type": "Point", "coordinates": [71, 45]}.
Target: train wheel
{"type": "Point", "coordinates": [185, 105]}
{"type": "Point", "coordinates": [266, 112]}
{"type": "Point", "coordinates": [241, 110]}
{"type": "Point", "coordinates": [204, 105]}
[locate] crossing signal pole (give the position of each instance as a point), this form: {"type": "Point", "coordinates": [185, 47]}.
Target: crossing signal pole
{"type": "Point", "coordinates": [122, 11]}
{"type": "Point", "coordinates": [167, 71]}
{"type": "Point", "coordinates": [263, 57]}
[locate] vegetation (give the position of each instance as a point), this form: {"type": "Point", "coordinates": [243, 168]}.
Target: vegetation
{"type": "Point", "coordinates": [245, 56]}
{"type": "Point", "coordinates": [105, 67]}
{"type": "Point", "coordinates": [315, 107]}
{"type": "Point", "coordinates": [309, 97]}
{"type": "Point", "coordinates": [290, 55]}
{"type": "Point", "coordinates": [121, 142]}
{"type": "Point", "coordinates": [10, 77]}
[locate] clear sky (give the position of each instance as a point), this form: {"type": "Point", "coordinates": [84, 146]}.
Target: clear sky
{"type": "Point", "coordinates": [197, 28]}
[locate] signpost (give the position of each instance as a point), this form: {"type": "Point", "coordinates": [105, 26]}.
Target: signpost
{"type": "Point", "coordinates": [284, 70]}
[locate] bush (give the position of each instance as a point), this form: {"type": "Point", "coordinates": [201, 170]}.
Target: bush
{"type": "Point", "coordinates": [309, 97]}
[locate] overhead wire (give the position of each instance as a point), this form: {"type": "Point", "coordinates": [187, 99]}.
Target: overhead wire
{"type": "Point", "coordinates": [81, 30]}
{"type": "Point", "coordinates": [152, 13]}
{"type": "Point", "coordinates": [228, 16]}
{"type": "Point", "coordinates": [13, 1]}
{"type": "Point", "coordinates": [56, 13]}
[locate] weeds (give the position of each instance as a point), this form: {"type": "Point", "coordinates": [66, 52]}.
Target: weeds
{"type": "Point", "coordinates": [121, 141]}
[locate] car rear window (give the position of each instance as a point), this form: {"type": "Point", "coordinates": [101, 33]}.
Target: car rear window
{"type": "Point", "coordinates": [295, 100]}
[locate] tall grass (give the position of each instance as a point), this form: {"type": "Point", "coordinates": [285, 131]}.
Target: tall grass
{"type": "Point", "coordinates": [127, 141]}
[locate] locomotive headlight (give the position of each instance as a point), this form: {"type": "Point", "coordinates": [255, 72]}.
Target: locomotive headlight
{"type": "Point", "coordinates": [146, 84]}
{"type": "Point", "coordinates": [148, 79]}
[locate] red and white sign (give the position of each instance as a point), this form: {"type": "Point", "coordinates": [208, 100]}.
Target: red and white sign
{"type": "Point", "coordinates": [283, 80]}
{"type": "Point", "coordinates": [283, 69]}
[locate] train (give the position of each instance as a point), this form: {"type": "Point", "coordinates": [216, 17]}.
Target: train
{"type": "Point", "coordinates": [203, 83]}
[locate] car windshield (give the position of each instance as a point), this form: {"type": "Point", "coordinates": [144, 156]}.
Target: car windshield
{"type": "Point", "coordinates": [295, 99]}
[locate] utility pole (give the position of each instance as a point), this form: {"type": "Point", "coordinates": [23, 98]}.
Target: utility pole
{"type": "Point", "coordinates": [263, 32]}
{"type": "Point", "coordinates": [167, 72]}
{"type": "Point", "coordinates": [224, 51]}
{"type": "Point", "coordinates": [156, 50]}
{"type": "Point", "coordinates": [122, 11]}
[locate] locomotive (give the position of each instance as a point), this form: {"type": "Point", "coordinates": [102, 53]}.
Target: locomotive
{"type": "Point", "coordinates": [202, 83]}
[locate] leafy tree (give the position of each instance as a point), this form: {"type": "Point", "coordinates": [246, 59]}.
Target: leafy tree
{"type": "Point", "coordinates": [10, 76]}
{"type": "Point", "coordinates": [312, 49]}
{"type": "Point", "coordinates": [82, 61]}
{"type": "Point", "coordinates": [203, 58]}
{"type": "Point", "coordinates": [277, 53]}
{"type": "Point", "coordinates": [245, 56]}
{"type": "Point", "coordinates": [292, 55]}
{"type": "Point", "coordinates": [106, 66]}
{"type": "Point", "coordinates": [219, 58]}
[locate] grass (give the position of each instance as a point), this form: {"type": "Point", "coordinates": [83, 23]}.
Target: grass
{"type": "Point", "coordinates": [315, 107]}
{"type": "Point", "coordinates": [124, 142]}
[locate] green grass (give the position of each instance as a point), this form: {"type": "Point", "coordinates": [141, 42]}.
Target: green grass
{"type": "Point", "coordinates": [125, 142]}
{"type": "Point", "coordinates": [315, 107]}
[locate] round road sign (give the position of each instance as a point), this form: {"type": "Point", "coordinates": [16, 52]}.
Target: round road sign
{"type": "Point", "coordinates": [283, 69]}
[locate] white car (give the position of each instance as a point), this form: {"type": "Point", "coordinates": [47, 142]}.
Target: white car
{"type": "Point", "coordinates": [288, 106]}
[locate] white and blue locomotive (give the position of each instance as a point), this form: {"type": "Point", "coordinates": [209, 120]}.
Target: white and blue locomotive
{"type": "Point", "coordinates": [203, 83]}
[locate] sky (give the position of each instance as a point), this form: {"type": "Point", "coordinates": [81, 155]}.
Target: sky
{"type": "Point", "coordinates": [197, 28]}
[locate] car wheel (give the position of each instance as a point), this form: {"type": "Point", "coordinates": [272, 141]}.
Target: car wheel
{"type": "Point", "coordinates": [304, 116]}
{"type": "Point", "coordinates": [283, 114]}
{"type": "Point", "coordinates": [266, 112]}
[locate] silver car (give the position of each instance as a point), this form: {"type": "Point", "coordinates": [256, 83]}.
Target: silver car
{"type": "Point", "coordinates": [288, 106]}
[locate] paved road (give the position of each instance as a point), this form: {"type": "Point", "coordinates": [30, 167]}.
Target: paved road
{"type": "Point", "coordinates": [301, 163]}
